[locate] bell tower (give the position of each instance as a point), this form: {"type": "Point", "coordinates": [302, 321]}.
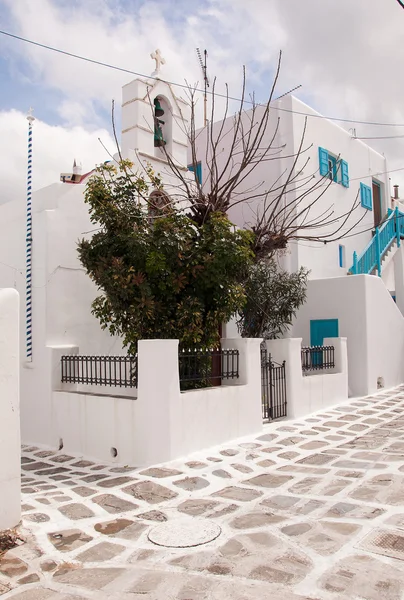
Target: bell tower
{"type": "Point", "coordinates": [154, 120]}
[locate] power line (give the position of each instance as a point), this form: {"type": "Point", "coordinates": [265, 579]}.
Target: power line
{"type": "Point", "coordinates": [184, 86]}
{"type": "Point", "coordinates": [400, 3]}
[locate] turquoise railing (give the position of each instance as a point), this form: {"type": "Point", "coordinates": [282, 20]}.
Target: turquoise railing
{"type": "Point", "coordinates": [392, 230]}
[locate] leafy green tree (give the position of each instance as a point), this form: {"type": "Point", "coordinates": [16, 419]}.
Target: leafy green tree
{"type": "Point", "coordinates": [161, 275]}
{"type": "Point", "coordinates": [273, 298]}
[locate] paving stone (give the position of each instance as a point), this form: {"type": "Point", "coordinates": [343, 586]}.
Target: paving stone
{"type": "Point", "coordinates": [113, 527]}
{"type": "Point", "coordinates": [100, 552]}
{"type": "Point", "coordinates": [146, 584]}
{"type": "Point", "coordinates": [26, 507]}
{"type": "Point", "coordinates": [54, 470]}
{"type": "Point", "coordinates": [84, 491]}
{"type": "Point", "coordinates": [160, 472]}
{"type": "Point", "coordinates": [356, 464]}
{"type": "Point", "coordinates": [196, 464]}
{"type": "Point", "coordinates": [62, 458]}
{"type": "Point", "coordinates": [317, 459]}
{"type": "Point", "coordinates": [91, 579]}
{"type": "Point", "coordinates": [31, 578]}
{"type": "Point", "coordinates": [256, 519]}
{"type": "Point", "coordinates": [37, 517]}
{"type": "Point", "coordinates": [222, 512]}
{"type": "Point", "coordinates": [48, 565]}
{"type": "Point", "coordinates": [229, 452]}
{"type": "Point", "coordinates": [192, 484]}
{"type": "Point", "coordinates": [150, 492]}
{"type": "Point", "coordinates": [268, 437]}
{"type": "Point", "coordinates": [353, 511]}
{"type": "Point", "coordinates": [313, 445]}
{"type": "Point", "coordinates": [268, 480]}
{"type": "Point", "coordinates": [25, 460]}
{"type": "Point", "coordinates": [11, 566]}
{"type": "Point", "coordinates": [288, 455]}
{"type": "Point", "coordinates": [214, 459]}
{"type": "Point", "coordinates": [44, 501]}
{"type": "Point", "coordinates": [374, 579]}
{"type": "Point", "coordinates": [131, 531]}
{"type": "Point", "coordinates": [242, 468]}
{"type": "Point", "coordinates": [83, 464]}
{"type": "Point", "coordinates": [115, 482]}
{"type": "Point", "coordinates": [34, 594]}
{"type": "Point", "coordinates": [36, 466]}
{"type": "Point", "coordinates": [76, 511]}
{"type": "Point", "coordinates": [114, 504]}
{"type": "Point", "coordinates": [153, 515]}
{"type": "Point", "coordinates": [350, 474]}
{"type": "Point", "coordinates": [69, 539]}
{"type": "Point", "coordinates": [237, 493]}
{"type": "Point", "coordinates": [195, 508]}
{"type": "Point", "coordinates": [44, 453]}
{"type": "Point", "coordinates": [92, 478]}
{"type": "Point", "coordinates": [280, 502]}
{"type": "Point", "coordinates": [222, 473]}
{"type": "Point", "coordinates": [266, 463]}
{"type": "Point", "coordinates": [291, 441]}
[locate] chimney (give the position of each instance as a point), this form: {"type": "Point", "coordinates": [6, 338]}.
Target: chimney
{"type": "Point", "coordinates": [396, 196]}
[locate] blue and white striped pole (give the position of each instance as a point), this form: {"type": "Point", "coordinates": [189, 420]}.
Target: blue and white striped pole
{"type": "Point", "coordinates": [28, 276]}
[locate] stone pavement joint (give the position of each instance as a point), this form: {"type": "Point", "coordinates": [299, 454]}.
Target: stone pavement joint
{"type": "Point", "coordinates": [308, 510]}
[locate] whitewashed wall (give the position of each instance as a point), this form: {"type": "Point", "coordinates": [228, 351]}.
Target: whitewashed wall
{"type": "Point", "coordinates": [368, 318]}
{"type": "Point", "coordinates": [10, 442]}
{"type": "Point", "coordinates": [320, 390]}
{"type": "Point", "coordinates": [162, 423]}
{"type": "Point", "coordinates": [322, 259]}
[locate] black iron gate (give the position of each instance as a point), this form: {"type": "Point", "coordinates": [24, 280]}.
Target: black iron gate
{"type": "Point", "coordinates": [273, 385]}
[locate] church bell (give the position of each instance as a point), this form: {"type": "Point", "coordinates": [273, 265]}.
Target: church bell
{"type": "Point", "coordinates": [158, 111]}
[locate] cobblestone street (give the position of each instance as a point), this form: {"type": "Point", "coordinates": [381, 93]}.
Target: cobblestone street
{"type": "Point", "coordinates": [312, 509]}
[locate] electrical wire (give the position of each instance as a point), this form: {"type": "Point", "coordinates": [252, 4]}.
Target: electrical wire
{"type": "Point", "coordinates": [400, 3]}
{"type": "Point", "coordinates": [184, 86]}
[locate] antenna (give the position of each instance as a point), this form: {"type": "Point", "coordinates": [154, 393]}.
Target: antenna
{"type": "Point", "coordinates": [204, 68]}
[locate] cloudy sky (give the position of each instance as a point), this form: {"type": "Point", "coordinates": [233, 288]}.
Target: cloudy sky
{"type": "Point", "coordinates": [347, 55]}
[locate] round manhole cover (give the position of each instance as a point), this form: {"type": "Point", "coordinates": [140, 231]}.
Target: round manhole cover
{"type": "Point", "coordinates": [184, 533]}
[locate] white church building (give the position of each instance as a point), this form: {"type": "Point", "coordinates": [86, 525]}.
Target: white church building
{"type": "Point", "coordinates": [345, 298]}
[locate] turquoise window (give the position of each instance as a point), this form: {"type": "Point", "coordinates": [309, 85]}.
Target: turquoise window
{"type": "Point", "coordinates": [323, 328]}
{"type": "Point", "coordinates": [366, 196]}
{"type": "Point", "coordinates": [333, 168]}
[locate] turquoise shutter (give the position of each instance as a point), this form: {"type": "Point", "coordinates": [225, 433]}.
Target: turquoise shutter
{"type": "Point", "coordinates": [323, 161]}
{"type": "Point", "coordinates": [369, 195]}
{"type": "Point", "coordinates": [198, 171]}
{"type": "Point", "coordinates": [344, 173]}
{"type": "Point", "coordinates": [366, 196]}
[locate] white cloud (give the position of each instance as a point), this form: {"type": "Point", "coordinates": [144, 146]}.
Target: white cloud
{"type": "Point", "coordinates": [54, 147]}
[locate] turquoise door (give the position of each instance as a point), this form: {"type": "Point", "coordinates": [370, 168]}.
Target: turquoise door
{"type": "Point", "coordinates": [324, 328]}
{"type": "Point", "coordinates": [321, 329]}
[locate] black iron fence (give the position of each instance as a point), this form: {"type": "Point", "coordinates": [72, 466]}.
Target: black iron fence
{"type": "Point", "coordinates": [117, 371]}
{"type": "Point", "coordinates": [317, 358]}
{"type": "Point", "coordinates": [273, 387]}
{"type": "Point", "coordinates": [206, 368]}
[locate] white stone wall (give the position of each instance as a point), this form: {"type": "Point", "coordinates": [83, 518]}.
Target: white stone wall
{"type": "Point", "coordinates": [368, 318]}
{"type": "Point", "coordinates": [309, 393]}
{"type": "Point", "coordinates": [10, 442]}
{"type": "Point", "coordinates": [162, 423]}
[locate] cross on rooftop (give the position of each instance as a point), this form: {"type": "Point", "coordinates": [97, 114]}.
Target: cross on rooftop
{"type": "Point", "coordinates": [156, 55]}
